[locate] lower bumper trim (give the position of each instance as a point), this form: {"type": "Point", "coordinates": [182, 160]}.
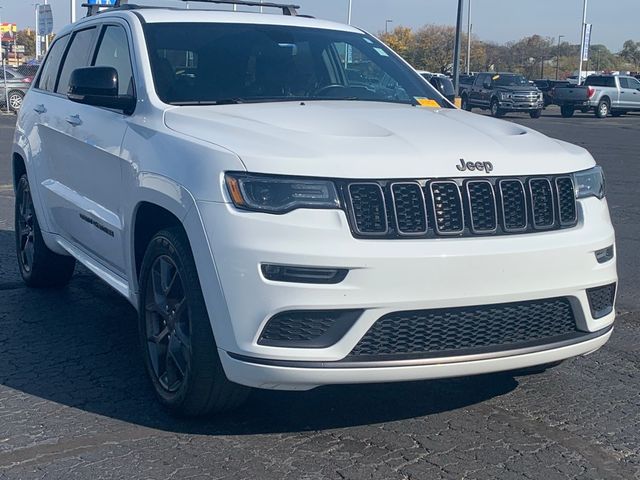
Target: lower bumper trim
{"type": "Point", "coordinates": [433, 360]}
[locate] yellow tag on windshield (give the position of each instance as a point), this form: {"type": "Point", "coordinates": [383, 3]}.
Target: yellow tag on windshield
{"type": "Point", "coordinates": [495, 77]}
{"type": "Point", "coordinates": [427, 102]}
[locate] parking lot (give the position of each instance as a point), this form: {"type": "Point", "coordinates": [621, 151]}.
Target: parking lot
{"type": "Point", "coordinates": [75, 401]}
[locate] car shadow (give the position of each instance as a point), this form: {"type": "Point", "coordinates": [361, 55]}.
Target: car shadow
{"type": "Point", "coordinates": [77, 346]}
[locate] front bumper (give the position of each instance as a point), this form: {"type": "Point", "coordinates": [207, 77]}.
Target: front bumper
{"type": "Point", "coordinates": [389, 276]}
{"type": "Point", "coordinates": [515, 106]}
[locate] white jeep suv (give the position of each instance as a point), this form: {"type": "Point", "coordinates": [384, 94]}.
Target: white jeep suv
{"type": "Point", "coordinates": [287, 204]}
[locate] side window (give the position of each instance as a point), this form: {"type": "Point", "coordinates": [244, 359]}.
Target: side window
{"type": "Point", "coordinates": [114, 52]}
{"type": "Point", "coordinates": [49, 73]}
{"type": "Point", "coordinates": [633, 83]}
{"type": "Point", "coordinates": [77, 57]}
{"type": "Point", "coordinates": [624, 83]}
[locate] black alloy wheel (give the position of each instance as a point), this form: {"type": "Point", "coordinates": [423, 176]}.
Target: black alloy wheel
{"type": "Point", "coordinates": [168, 326]}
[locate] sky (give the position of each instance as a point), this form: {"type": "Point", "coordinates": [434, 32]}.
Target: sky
{"type": "Point", "coordinates": [614, 21]}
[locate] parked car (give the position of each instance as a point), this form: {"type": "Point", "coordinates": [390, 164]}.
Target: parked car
{"type": "Point", "coordinates": [604, 94]}
{"type": "Point", "coordinates": [278, 227]}
{"type": "Point", "coordinates": [466, 81]}
{"type": "Point", "coordinates": [29, 70]}
{"type": "Point", "coordinates": [547, 87]}
{"type": "Point", "coordinates": [502, 93]}
{"type": "Point", "coordinates": [441, 83]}
{"type": "Point", "coordinates": [17, 86]}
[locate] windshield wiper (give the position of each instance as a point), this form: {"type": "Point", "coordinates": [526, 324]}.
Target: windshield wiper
{"type": "Point", "coordinates": [224, 101]}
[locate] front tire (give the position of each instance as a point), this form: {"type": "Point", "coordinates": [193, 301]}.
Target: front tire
{"type": "Point", "coordinates": [15, 100]}
{"type": "Point", "coordinates": [465, 103]}
{"type": "Point", "coordinates": [535, 113]}
{"type": "Point", "coordinates": [39, 266]}
{"type": "Point", "coordinates": [602, 110]}
{"type": "Point", "coordinates": [567, 112]}
{"type": "Point", "coordinates": [495, 109]}
{"type": "Point", "coordinates": [177, 342]}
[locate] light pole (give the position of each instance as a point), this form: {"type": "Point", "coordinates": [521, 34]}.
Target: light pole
{"type": "Point", "coordinates": [456, 52]}
{"type": "Point", "coordinates": [72, 11]}
{"type": "Point", "coordinates": [584, 28]}
{"type": "Point", "coordinates": [349, 13]}
{"type": "Point", "coordinates": [4, 69]}
{"type": "Point", "coordinates": [558, 56]}
{"type": "Point", "coordinates": [469, 27]}
{"type": "Point", "coordinates": [386, 25]}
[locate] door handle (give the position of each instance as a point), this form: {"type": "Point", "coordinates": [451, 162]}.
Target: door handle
{"type": "Point", "coordinates": [74, 120]}
{"type": "Point", "coordinates": [39, 109]}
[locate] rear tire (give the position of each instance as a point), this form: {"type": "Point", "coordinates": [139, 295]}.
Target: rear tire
{"type": "Point", "coordinates": [39, 266]}
{"type": "Point", "coordinates": [535, 113]}
{"type": "Point", "coordinates": [567, 112]}
{"type": "Point", "coordinates": [179, 349]}
{"type": "Point", "coordinates": [602, 110]}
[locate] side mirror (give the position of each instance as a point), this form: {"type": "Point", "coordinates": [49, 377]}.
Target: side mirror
{"type": "Point", "coordinates": [98, 86]}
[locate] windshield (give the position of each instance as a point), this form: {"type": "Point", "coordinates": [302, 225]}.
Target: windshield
{"type": "Point", "coordinates": [216, 63]}
{"type": "Point", "coordinates": [509, 80]}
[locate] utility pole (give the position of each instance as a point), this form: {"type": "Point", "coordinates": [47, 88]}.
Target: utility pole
{"type": "Point", "coordinates": [469, 27]}
{"type": "Point", "coordinates": [72, 12]}
{"type": "Point", "coordinates": [456, 52]}
{"type": "Point", "coordinates": [558, 56]}
{"type": "Point", "coordinates": [584, 28]}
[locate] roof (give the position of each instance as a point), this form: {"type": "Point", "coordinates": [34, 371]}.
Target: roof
{"type": "Point", "coordinates": [192, 15]}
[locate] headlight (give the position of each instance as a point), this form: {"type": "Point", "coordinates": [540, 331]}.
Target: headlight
{"type": "Point", "coordinates": [274, 194]}
{"type": "Point", "coordinates": [590, 183]}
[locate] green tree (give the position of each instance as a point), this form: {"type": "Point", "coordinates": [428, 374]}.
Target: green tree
{"type": "Point", "coordinates": [27, 38]}
{"type": "Point", "coordinates": [631, 53]}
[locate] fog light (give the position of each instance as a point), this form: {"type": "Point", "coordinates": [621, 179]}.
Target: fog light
{"type": "Point", "coordinates": [294, 274]}
{"type": "Point", "coordinates": [604, 255]}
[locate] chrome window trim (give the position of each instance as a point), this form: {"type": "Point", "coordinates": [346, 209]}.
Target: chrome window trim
{"type": "Point", "coordinates": [435, 214]}
{"type": "Point", "coordinates": [424, 209]}
{"type": "Point", "coordinates": [470, 204]}
{"type": "Point", "coordinates": [533, 207]}
{"type": "Point", "coordinates": [353, 213]}
{"type": "Point", "coordinates": [526, 206]}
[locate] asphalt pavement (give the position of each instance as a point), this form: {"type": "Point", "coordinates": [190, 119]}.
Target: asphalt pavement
{"type": "Point", "coordinates": [75, 402]}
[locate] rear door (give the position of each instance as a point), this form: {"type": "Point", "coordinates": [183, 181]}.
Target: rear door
{"type": "Point", "coordinates": [86, 180]}
{"type": "Point", "coordinates": [629, 94]}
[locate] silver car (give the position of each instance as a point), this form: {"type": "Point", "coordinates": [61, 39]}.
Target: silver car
{"type": "Point", "coordinates": [16, 86]}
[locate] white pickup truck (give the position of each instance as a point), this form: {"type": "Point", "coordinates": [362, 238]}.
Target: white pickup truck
{"type": "Point", "coordinates": [615, 94]}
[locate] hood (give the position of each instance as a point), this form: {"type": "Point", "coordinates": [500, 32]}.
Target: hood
{"type": "Point", "coordinates": [373, 140]}
{"type": "Point", "coordinates": [518, 88]}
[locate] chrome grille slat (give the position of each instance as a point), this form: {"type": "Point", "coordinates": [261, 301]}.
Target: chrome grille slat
{"type": "Point", "coordinates": [459, 207]}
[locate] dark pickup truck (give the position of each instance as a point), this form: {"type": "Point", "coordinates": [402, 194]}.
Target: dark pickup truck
{"type": "Point", "coordinates": [502, 93]}
{"type": "Point", "coordinates": [604, 94]}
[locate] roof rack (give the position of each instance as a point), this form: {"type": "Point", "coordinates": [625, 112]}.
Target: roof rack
{"type": "Point", "coordinates": [287, 9]}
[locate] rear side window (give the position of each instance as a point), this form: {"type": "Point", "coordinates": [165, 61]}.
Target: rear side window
{"type": "Point", "coordinates": [78, 56]}
{"type": "Point", "coordinates": [624, 83]}
{"type": "Point", "coordinates": [600, 81]}
{"type": "Point", "coordinates": [114, 52]}
{"type": "Point", "coordinates": [47, 80]}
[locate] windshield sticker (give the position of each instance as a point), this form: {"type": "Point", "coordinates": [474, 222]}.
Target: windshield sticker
{"type": "Point", "coordinates": [381, 52]}
{"type": "Point", "coordinates": [368, 40]}
{"type": "Point", "coordinates": [495, 77]}
{"type": "Point", "coordinates": [427, 102]}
